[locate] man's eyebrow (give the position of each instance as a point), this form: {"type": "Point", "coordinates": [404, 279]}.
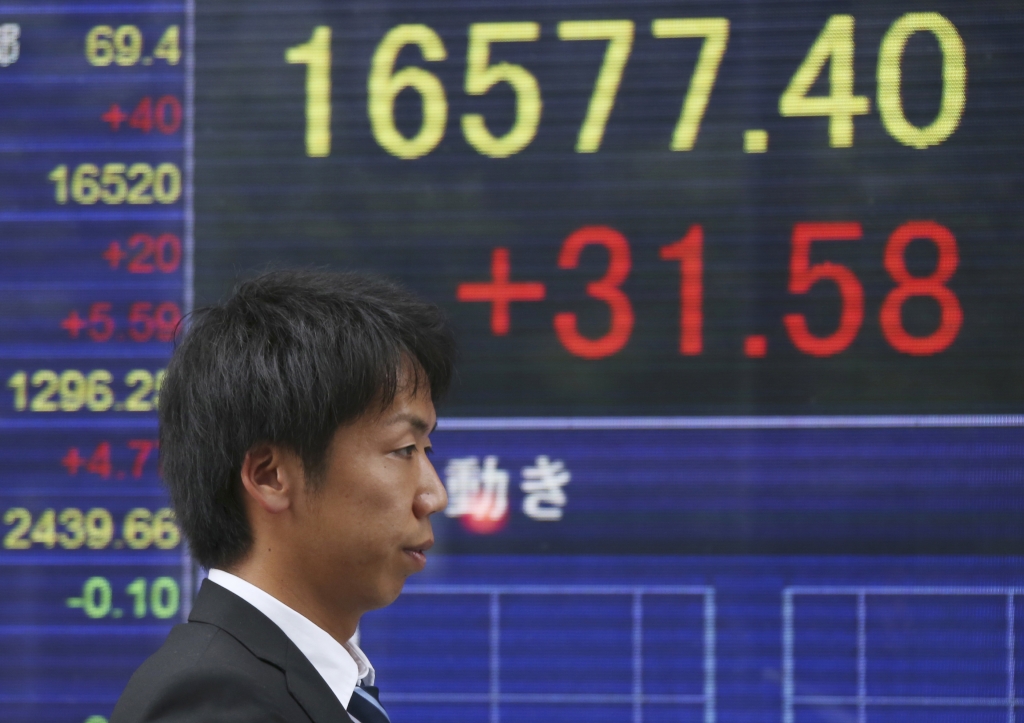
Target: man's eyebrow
{"type": "Point", "coordinates": [416, 422]}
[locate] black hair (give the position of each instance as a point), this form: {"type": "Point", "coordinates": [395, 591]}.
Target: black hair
{"type": "Point", "coordinates": [287, 359]}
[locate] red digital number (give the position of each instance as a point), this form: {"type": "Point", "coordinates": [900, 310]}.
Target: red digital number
{"type": "Point", "coordinates": [142, 449]}
{"type": "Point", "coordinates": [689, 252]}
{"type": "Point", "coordinates": [605, 289]}
{"type": "Point", "coordinates": [803, 275]}
{"type": "Point", "coordinates": [167, 317]}
{"type": "Point", "coordinates": [165, 114]}
{"type": "Point", "coordinates": [161, 254]}
{"type": "Point", "coordinates": [932, 286]}
{"type": "Point", "coordinates": [101, 323]}
{"type": "Point", "coordinates": [140, 320]}
{"type": "Point", "coordinates": [100, 463]}
{"type": "Point", "coordinates": [142, 117]}
{"type": "Point", "coordinates": [145, 322]}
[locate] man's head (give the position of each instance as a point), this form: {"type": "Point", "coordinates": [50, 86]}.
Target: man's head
{"type": "Point", "coordinates": [287, 394]}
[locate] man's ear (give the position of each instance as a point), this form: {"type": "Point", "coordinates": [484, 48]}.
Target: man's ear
{"type": "Point", "coordinates": [270, 476]}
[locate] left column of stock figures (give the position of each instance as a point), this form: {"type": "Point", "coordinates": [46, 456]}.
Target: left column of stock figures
{"type": "Point", "coordinates": [96, 230]}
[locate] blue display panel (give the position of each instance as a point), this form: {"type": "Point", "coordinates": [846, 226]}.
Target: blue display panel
{"type": "Point", "coordinates": [737, 638]}
{"type": "Point", "coordinates": [813, 485]}
{"type": "Point", "coordinates": [95, 222]}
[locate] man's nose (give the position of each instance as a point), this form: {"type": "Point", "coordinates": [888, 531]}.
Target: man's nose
{"type": "Point", "coordinates": [432, 497]}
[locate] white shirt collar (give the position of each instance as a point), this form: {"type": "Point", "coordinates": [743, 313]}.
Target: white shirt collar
{"type": "Point", "coordinates": [341, 665]}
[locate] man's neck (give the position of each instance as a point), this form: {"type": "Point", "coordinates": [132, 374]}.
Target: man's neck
{"type": "Point", "coordinates": [283, 585]}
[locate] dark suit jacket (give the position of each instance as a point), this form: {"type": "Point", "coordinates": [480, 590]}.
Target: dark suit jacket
{"type": "Point", "coordinates": [228, 663]}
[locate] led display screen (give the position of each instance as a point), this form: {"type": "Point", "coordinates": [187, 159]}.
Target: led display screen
{"type": "Point", "coordinates": [736, 432]}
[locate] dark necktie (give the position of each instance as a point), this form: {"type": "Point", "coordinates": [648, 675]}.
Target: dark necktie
{"type": "Point", "coordinates": [366, 707]}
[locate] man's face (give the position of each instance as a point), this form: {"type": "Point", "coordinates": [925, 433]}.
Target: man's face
{"type": "Point", "coordinates": [369, 524]}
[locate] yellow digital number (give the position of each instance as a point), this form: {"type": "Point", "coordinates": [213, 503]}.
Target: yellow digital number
{"type": "Point", "coordinates": [99, 395]}
{"type": "Point", "coordinates": [143, 528]}
{"type": "Point", "coordinates": [71, 390]}
{"type": "Point", "coordinates": [71, 529]}
{"type": "Point", "coordinates": [44, 532]}
{"type": "Point", "coordinates": [165, 531]}
{"type": "Point", "coordinates": [158, 382]}
{"type": "Point", "coordinates": [146, 386]}
{"type": "Point", "coordinates": [19, 383]}
{"type": "Point", "coordinates": [137, 530]}
{"type": "Point", "coordinates": [49, 381]}
{"type": "Point", "coordinates": [73, 522]}
{"type": "Point", "coordinates": [167, 183]}
{"type": "Point", "coordinates": [481, 76]}
{"type": "Point", "coordinates": [99, 46]}
{"type": "Point", "coordinates": [384, 85]}
{"type": "Point", "coordinates": [168, 48]}
{"type": "Point", "coordinates": [715, 32]}
{"type": "Point", "coordinates": [99, 528]}
{"type": "Point", "coordinates": [59, 176]}
{"type": "Point", "coordinates": [123, 46]}
{"type": "Point", "coordinates": [105, 45]}
{"type": "Point", "coordinates": [954, 80]}
{"type": "Point", "coordinates": [127, 45]}
{"type": "Point", "coordinates": [619, 34]}
{"type": "Point", "coordinates": [85, 185]}
{"type": "Point", "coordinates": [114, 184]}
{"type": "Point", "coordinates": [22, 521]}
{"type": "Point", "coordinates": [835, 46]}
{"type": "Point", "coordinates": [316, 56]}
{"type": "Point", "coordinates": [141, 191]}
{"type": "Point", "coordinates": [142, 382]}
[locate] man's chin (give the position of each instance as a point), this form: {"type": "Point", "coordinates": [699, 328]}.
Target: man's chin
{"type": "Point", "coordinates": [387, 594]}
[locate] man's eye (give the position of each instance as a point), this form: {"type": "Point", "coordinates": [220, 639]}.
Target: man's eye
{"type": "Point", "coordinates": [407, 451]}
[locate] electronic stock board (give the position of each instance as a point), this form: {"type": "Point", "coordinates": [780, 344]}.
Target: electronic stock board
{"type": "Point", "coordinates": [736, 433]}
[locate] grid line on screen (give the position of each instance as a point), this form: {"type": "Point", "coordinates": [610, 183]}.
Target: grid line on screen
{"type": "Point", "coordinates": [732, 422]}
{"type": "Point", "coordinates": [862, 700]}
{"type": "Point", "coordinates": [637, 698]}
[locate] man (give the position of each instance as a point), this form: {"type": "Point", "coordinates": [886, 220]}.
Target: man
{"type": "Point", "coordinates": [294, 432]}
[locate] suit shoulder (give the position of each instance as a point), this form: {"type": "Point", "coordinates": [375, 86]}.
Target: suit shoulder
{"type": "Point", "coordinates": [203, 673]}
{"type": "Point", "coordinates": [184, 646]}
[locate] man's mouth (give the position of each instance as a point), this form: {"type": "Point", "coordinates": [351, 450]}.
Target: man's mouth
{"type": "Point", "coordinates": [419, 552]}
